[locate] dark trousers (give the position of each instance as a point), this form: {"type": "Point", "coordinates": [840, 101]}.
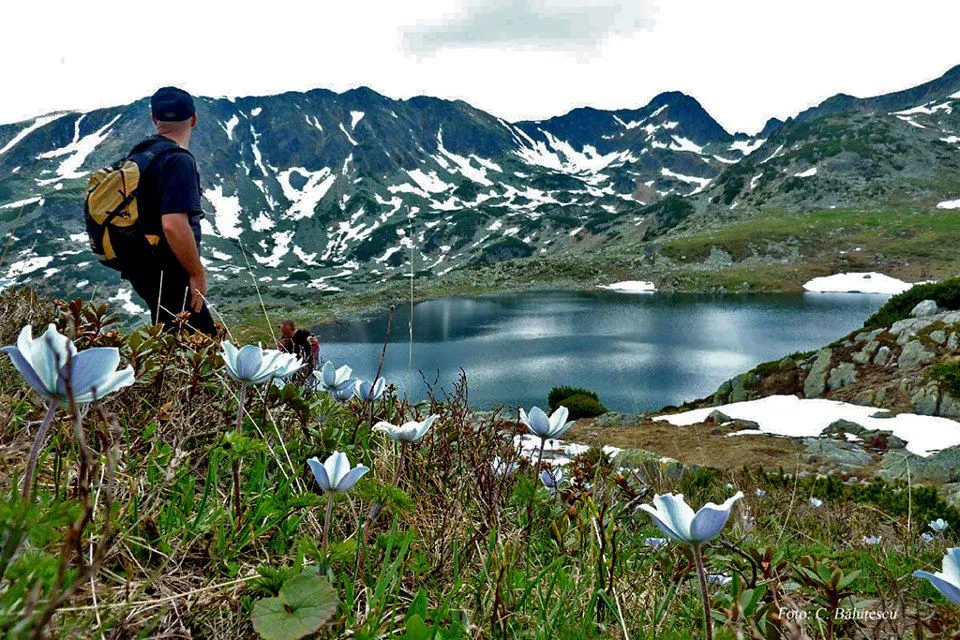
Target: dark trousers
{"type": "Point", "coordinates": [167, 294]}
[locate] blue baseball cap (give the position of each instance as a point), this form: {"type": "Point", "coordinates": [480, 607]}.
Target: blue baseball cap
{"type": "Point", "coordinates": [170, 104]}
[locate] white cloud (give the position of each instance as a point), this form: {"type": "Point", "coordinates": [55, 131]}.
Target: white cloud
{"type": "Point", "coordinates": [744, 60]}
{"type": "Point", "coordinates": [550, 24]}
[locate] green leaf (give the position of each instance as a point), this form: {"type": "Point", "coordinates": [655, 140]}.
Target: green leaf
{"type": "Point", "coordinates": [417, 629]}
{"type": "Point", "coordinates": [305, 603]}
{"type": "Point", "coordinates": [418, 607]}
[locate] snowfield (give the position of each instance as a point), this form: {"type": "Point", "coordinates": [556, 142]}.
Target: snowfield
{"type": "Point", "coordinates": [857, 283]}
{"type": "Point", "coordinates": [798, 418]}
{"type": "Point", "coordinates": [630, 286]}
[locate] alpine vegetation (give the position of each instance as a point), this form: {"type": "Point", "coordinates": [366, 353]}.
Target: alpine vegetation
{"type": "Point", "coordinates": [172, 500]}
{"type": "Point", "coordinates": [333, 379]}
{"type": "Point", "coordinates": [677, 520]}
{"type": "Point", "coordinates": [253, 364]}
{"type": "Point", "coordinates": [62, 376]}
{"type": "Point", "coordinates": [411, 431]}
{"type": "Point", "coordinates": [544, 427]}
{"type": "Point", "coordinates": [946, 581]}
{"type": "Point", "coordinates": [334, 475]}
{"type": "Point", "coordinates": [369, 391]}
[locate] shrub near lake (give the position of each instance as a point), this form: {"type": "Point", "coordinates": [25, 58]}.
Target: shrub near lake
{"type": "Point", "coordinates": [165, 485]}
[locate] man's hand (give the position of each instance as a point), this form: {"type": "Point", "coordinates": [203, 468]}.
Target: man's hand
{"type": "Point", "coordinates": [198, 289]}
{"type": "Point", "coordinates": [176, 228]}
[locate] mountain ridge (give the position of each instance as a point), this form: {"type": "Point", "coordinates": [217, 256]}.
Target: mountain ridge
{"type": "Point", "coordinates": [329, 190]}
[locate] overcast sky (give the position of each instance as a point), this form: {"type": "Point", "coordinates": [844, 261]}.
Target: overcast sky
{"type": "Point", "coordinates": [744, 60]}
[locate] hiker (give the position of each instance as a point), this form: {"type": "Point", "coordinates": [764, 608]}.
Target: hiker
{"type": "Point", "coordinates": [299, 342]}
{"type": "Point", "coordinates": [143, 217]}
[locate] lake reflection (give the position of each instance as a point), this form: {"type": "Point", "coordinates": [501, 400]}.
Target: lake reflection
{"type": "Point", "coordinates": [639, 352]}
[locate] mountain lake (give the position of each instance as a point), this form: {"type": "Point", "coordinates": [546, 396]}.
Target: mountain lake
{"type": "Point", "coordinates": [639, 352]}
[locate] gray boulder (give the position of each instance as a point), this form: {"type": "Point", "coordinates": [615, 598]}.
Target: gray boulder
{"type": "Point", "coordinates": [836, 452]}
{"type": "Point", "coordinates": [925, 308]}
{"type": "Point", "coordinates": [745, 425]}
{"type": "Point", "coordinates": [867, 336]}
{"type": "Point", "coordinates": [616, 419]}
{"type": "Point", "coordinates": [949, 406]}
{"type": "Point", "coordinates": [841, 376]}
{"type": "Point", "coordinates": [787, 364]}
{"type": "Point", "coordinates": [883, 356]}
{"type": "Point", "coordinates": [942, 465]}
{"type": "Point", "coordinates": [866, 354]}
{"type": "Point", "coordinates": [816, 381]}
{"type": "Point", "coordinates": [925, 400]}
{"type": "Point", "coordinates": [738, 387]}
{"type": "Point", "coordinates": [953, 342]}
{"type": "Point", "coordinates": [717, 417]}
{"type": "Point", "coordinates": [845, 426]}
{"type": "Point", "coordinates": [939, 336]}
{"type": "Point", "coordinates": [914, 354]}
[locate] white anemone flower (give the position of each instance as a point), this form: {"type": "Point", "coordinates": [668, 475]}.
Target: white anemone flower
{"type": "Point", "coordinates": [677, 520]}
{"type": "Point", "coordinates": [369, 390]}
{"type": "Point", "coordinates": [719, 579]}
{"type": "Point", "coordinates": [334, 474]}
{"type": "Point", "coordinates": [760, 493]}
{"type": "Point", "coordinates": [546, 427]}
{"type": "Point", "coordinates": [926, 537]}
{"type": "Point", "coordinates": [872, 540]}
{"type": "Point", "coordinates": [411, 431]}
{"type": "Point", "coordinates": [655, 543]}
{"type": "Point", "coordinates": [332, 378]}
{"type": "Point", "coordinates": [946, 581]}
{"type": "Point", "coordinates": [344, 393]}
{"type": "Point", "coordinates": [938, 525]}
{"type": "Point", "coordinates": [52, 366]}
{"type": "Point", "coordinates": [816, 503]}
{"type": "Point", "coordinates": [552, 479]}
{"type": "Point", "coordinates": [254, 364]}
{"type": "Point", "coordinates": [501, 467]}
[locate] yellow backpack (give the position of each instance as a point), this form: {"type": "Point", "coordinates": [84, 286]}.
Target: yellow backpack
{"type": "Point", "coordinates": [110, 213]}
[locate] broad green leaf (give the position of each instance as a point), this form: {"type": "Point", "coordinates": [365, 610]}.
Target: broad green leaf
{"type": "Point", "coordinates": [305, 603]}
{"type": "Point", "coordinates": [417, 629]}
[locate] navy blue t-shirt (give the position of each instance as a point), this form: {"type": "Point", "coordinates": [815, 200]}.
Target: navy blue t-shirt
{"type": "Point", "coordinates": [170, 184]}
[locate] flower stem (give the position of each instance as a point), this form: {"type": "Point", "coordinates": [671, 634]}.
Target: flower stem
{"type": "Point", "coordinates": [240, 402]}
{"type": "Point", "coordinates": [235, 461]}
{"type": "Point", "coordinates": [35, 449]}
{"type": "Point", "coordinates": [326, 520]}
{"type": "Point", "coordinates": [702, 573]}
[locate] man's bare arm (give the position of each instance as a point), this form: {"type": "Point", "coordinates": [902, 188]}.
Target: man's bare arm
{"type": "Point", "coordinates": [179, 235]}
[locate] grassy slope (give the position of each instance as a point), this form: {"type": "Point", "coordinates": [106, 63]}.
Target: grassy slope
{"type": "Point", "coordinates": [475, 554]}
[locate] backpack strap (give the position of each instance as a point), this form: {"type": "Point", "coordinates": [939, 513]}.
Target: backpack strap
{"type": "Point", "coordinates": [148, 150]}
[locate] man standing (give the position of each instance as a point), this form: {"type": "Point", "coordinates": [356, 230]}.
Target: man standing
{"type": "Point", "coordinates": [172, 280]}
{"type": "Point", "coordinates": [299, 342]}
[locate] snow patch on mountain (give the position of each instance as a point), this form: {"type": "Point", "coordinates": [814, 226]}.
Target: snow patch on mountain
{"type": "Point", "coordinates": [683, 144]}
{"type": "Point", "coordinates": [230, 125]}
{"type": "Point", "coordinates": [429, 182]}
{"type": "Point", "coordinates": [23, 133]}
{"type": "Point", "coordinates": [226, 212]}
{"type": "Point", "coordinates": [344, 130]}
{"type": "Point", "coordinates": [22, 203]}
{"type": "Point", "coordinates": [703, 182]}
{"type": "Point", "coordinates": [355, 117]}
{"type": "Point", "coordinates": [304, 201]}
{"type": "Point", "coordinates": [77, 151]}
{"type": "Point", "coordinates": [746, 147]}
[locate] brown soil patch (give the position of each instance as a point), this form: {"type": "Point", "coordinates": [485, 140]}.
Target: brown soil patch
{"type": "Point", "coordinates": [697, 444]}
